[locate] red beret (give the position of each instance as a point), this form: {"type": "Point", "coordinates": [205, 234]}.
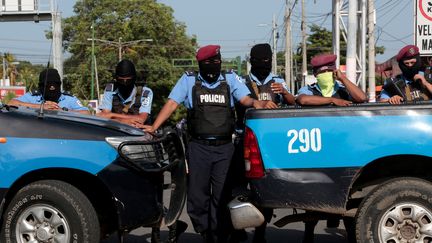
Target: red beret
{"type": "Point", "coordinates": [206, 52]}
{"type": "Point", "coordinates": [407, 52]}
{"type": "Point", "coordinates": [323, 62]}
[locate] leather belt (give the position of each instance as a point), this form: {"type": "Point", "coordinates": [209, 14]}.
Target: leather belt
{"type": "Point", "coordinates": [212, 142]}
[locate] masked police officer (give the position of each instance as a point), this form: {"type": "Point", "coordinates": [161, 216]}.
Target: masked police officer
{"type": "Point", "coordinates": [411, 85]}
{"type": "Point", "coordinates": [49, 92]}
{"type": "Point", "coordinates": [209, 98]}
{"type": "Point", "coordinates": [125, 102]}
{"type": "Point", "coordinates": [263, 85]}
{"type": "Point", "coordinates": [332, 86]}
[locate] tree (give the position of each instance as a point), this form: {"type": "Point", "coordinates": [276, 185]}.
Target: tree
{"type": "Point", "coordinates": [131, 20]}
{"type": "Point", "coordinates": [320, 40]}
{"type": "Point", "coordinates": [28, 75]}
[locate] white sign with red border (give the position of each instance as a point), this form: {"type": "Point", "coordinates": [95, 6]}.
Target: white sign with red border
{"type": "Point", "coordinates": [18, 90]}
{"type": "Point", "coordinates": [423, 27]}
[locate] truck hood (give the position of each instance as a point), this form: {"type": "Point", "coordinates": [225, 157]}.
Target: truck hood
{"type": "Point", "coordinates": [80, 118]}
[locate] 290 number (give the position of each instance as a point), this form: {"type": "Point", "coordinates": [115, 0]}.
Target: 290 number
{"type": "Point", "coordinates": [309, 140]}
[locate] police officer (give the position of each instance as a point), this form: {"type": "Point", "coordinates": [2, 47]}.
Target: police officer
{"type": "Point", "coordinates": [125, 102]}
{"type": "Point", "coordinates": [209, 98]}
{"type": "Point", "coordinates": [49, 92]}
{"type": "Point", "coordinates": [332, 86]}
{"type": "Point", "coordinates": [263, 85]}
{"type": "Point", "coordinates": [411, 85]}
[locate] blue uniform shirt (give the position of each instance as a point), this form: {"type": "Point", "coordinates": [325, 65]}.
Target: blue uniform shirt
{"type": "Point", "coordinates": [306, 89]}
{"type": "Point", "coordinates": [146, 102]}
{"type": "Point", "coordinates": [182, 91]}
{"type": "Point", "coordinates": [385, 95]}
{"type": "Point", "coordinates": [65, 101]}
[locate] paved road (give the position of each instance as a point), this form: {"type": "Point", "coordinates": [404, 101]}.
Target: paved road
{"type": "Point", "coordinates": [291, 233]}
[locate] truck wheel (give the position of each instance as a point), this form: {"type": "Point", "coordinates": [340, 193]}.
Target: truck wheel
{"type": "Point", "coordinates": [399, 210]}
{"type": "Point", "coordinates": [50, 211]}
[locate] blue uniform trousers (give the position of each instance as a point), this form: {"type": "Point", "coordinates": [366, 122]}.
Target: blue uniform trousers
{"type": "Point", "coordinates": [208, 168]}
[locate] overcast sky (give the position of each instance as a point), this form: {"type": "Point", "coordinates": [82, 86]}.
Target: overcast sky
{"type": "Point", "coordinates": [236, 25]}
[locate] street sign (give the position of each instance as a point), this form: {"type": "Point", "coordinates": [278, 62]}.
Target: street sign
{"type": "Point", "coordinates": [423, 27]}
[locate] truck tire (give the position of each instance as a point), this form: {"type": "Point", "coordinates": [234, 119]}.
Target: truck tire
{"type": "Point", "coordinates": [50, 211]}
{"type": "Point", "coordinates": [399, 210]}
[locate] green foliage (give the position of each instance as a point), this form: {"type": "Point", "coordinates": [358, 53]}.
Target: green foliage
{"type": "Point", "coordinates": [129, 20]}
{"type": "Point", "coordinates": [28, 74]}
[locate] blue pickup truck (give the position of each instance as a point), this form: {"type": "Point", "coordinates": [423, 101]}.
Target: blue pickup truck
{"type": "Point", "coordinates": [66, 177]}
{"type": "Point", "coordinates": [370, 165]}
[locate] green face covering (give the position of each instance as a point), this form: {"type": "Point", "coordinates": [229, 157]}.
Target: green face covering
{"type": "Point", "coordinates": [326, 83]}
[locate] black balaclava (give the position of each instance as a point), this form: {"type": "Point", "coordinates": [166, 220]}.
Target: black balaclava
{"type": "Point", "coordinates": [210, 68]}
{"type": "Point", "coordinates": [125, 69]}
{"type": "Point", "coordinates": [261, 60]}
{"type": "Point", "coordinates": [410, 72]}
{"type": "Point", "coordinates": [50, 84]}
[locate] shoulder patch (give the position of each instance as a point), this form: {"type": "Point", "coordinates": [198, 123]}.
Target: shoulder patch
{"type": "Point", "coordinates": [145, 101]}
{"type": "Point", "coordinates": [67, 93]}
{"type": "Point", "coordinates": [109, 87]}
{"type": "Point", "coordinates": [189, 73]}
{"type": "Point", "coordinates": [78, 102]}
{"type": "Point", "coordinates": [35, 92]}
{"type": "Point", "coordinates": [239, 79]}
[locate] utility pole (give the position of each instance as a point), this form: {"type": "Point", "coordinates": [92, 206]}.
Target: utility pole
{"type": "Point", "coordinates": [371, 50]}
{"type": "Point", "coordinates": [4, 71]}
{"type": "Point", "coordinates": [304, 50]}
{"type": "Point", "coordinates": [119, 44]}
{"type": "Point", "coordinates": [57, 43]}
{"type": "Point", "coordinates": [274, 65]}
{"type": "Point", "coordinates": [120, 49]}
{"type": "Point", "coordinates": [288, 57]}
{"type": "Point", "coordinates": [351, 62]}
{"type": "Point", "coordinates": [336, 30]}
{"type": "Point", "coordinates": [92, 63]}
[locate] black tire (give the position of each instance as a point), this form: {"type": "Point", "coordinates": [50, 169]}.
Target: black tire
{"type": "Point", "coordinates": [65, 211]}
{"type": "Point", "coordinates": [393, 210]}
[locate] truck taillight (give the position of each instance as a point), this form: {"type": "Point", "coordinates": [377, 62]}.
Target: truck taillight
{"type": "Point", "coordinates": [252, 156]}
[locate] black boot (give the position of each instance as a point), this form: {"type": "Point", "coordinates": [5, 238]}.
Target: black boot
{"type": "Point", "coordinates": [207, 237]}
{"type": "Point", "coordinates": [238, 236]}
{"type": "Point", "coordinates": [259, 235]}
{"type": "Point", "coordinates": [309, 234]}
{"type": "Point", "coordinates": [176, 230]}
{"type": "Point", "coordinates": [155, 235]}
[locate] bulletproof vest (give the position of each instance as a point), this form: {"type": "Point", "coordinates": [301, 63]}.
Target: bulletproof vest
{"type": "Point", "coordinates": [211, 115]}
{"type": "Point", "coordinates": [261, 92]}
{"type": "Point", "coordinates": [412, 92]}
{"type": "Point", "coordinates": [128, 108]}
{"type": "Point", "coordinates": [341, 93]}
